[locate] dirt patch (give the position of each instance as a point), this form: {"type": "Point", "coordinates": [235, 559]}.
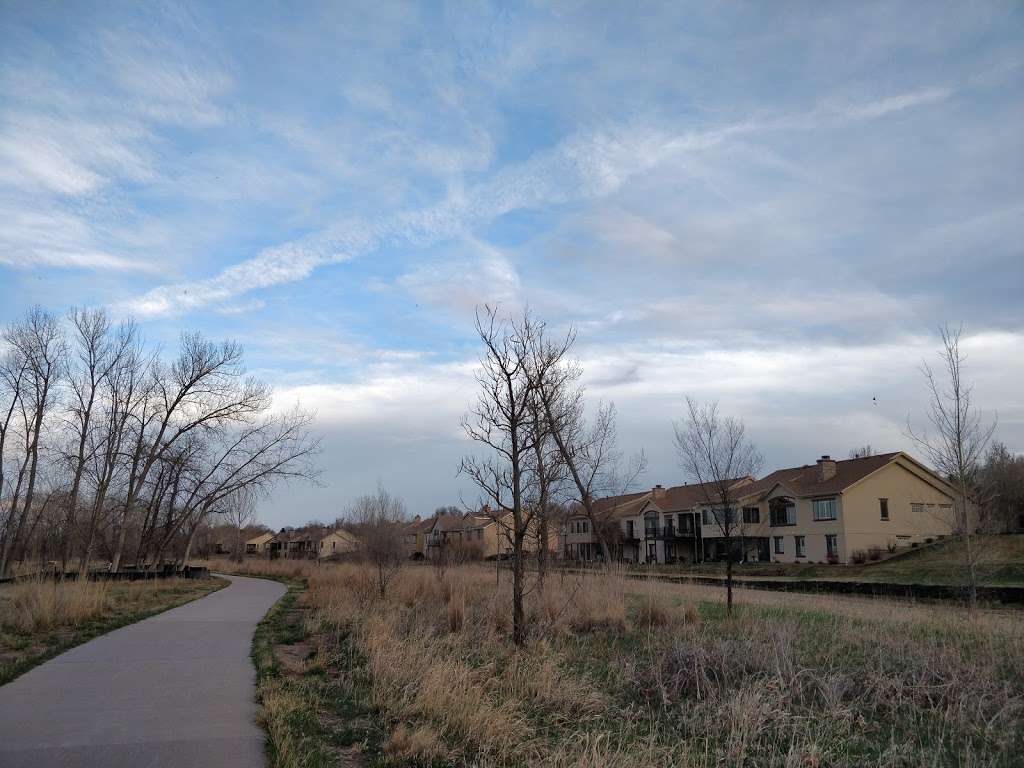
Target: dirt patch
{"type": "Point", "coordinates": [293, 658]}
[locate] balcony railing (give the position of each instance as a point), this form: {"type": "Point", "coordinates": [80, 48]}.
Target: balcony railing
{"type": "Point", "coordinates": [670, 532]}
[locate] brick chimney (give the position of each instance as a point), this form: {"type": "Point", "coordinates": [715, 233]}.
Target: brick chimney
{"type": "Point", "coordinates": [826, 468]}
{"type": "Point", "coordinates": [658, 492]}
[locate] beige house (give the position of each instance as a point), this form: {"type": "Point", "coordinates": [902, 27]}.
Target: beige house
{"type": "Point", "coordinates": [337, 543]}
{"type": "Point", "coordinates": [258, 544]}
{"type": "Point", "coordinates": [821, 512]}
{"type": "Point", "coordinates": [827, 511]}
{"type": "Point", "coordinates": [485, 535]}
{"type": "Point", "coordinates": [415, 537]}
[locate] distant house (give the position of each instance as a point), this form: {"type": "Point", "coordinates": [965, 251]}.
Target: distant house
{"type": "Point", "coordinates": [258, 544]}
{"type": "Point", "coordinates": [822, 512]}
{"type": "Point", "coordinates": [486, 534]}
{"type": "Point", "coordinates": [337, 543]}
{"type": "Point", "coordinates": [415, 537]}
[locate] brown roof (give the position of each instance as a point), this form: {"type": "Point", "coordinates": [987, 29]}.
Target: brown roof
{"type": "Point", "coordinates": [419, 526]}
{"type": "Point", "coordinates": [805, 480]}
{"type": "Point", "coordinates": [449, 522]}
{"type": "Point", "coordinates": [673, 499]}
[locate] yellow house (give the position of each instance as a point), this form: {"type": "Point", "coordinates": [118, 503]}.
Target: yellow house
{"type": "Point", "coordinates": [832, 509]}
{"type": "Point", "coordinates": [416, 537]}
{"type": "Point", "coordinates": [829, 511]}
{"type": "Point", "coordinates": [258, 544]}
{"type": "Point", "coordinates": [485, 535]}
{"type": "Point", "coordinates": [337, 543]}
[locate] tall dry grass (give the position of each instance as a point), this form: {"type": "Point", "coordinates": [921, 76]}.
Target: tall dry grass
{"type": "Point", "coordinates": [33, 606]}
{"type": "Point", "coordinates": [619, 672]}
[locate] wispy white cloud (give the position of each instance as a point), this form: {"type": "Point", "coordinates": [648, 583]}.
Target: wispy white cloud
{"type": "Point", "coordinates": [586, 165]}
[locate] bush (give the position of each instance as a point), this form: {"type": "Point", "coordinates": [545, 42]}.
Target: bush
{"type": "Point", "coordinates": [858, 556]}
{"type": "Point", "coordinates": [874, 553]}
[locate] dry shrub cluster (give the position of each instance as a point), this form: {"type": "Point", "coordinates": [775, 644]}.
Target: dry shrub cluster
{"type": "Point", "coordinates": [33, 606]}
{"type": "Point", "coordinates": [619, 672]}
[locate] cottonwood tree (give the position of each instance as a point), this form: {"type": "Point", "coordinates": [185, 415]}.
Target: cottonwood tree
{"type": "Point", "coordinates": [107, 448]}
{"type": "Point", "coordinates": [501, 421]}
{"type": "Point", "coordinates": [203, 389]}
{"type": "Point", "coordinates": [954, 442]}
{"type": "Point", "coordinates": [95, 355]}
{"type": "Point", "coordinates": [593, 465]}
{"type": "Point", "coordinates": [714, 451]}
{"type": "Point", "coordinates": [38, 351]}
{"type": "Point", "coordinates": [378, 521]}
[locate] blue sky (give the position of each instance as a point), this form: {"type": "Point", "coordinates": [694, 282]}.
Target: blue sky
{"type": "Point", "coordinates": [770, 204]}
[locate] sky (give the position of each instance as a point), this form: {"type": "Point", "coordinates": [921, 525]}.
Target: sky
{"type": "Point", "coordinates": [773, 205]}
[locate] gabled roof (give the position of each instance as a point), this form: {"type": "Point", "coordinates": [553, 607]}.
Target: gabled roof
{"type": "Point", "coordinates": [448, 523]}
{"type": "Point", "coordinates": [421, 526]}
{"type": "Point", "coordinates": [806, 480]}
{"type": "Point", "coordinates": [263, 538]}
{"type": "Point", "coordinates": [674, 499]}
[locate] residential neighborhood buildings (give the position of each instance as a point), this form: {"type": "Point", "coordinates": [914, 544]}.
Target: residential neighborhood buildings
{"type": "Point", "coordinates": [824, 512]}
{"type": "Point", "coordinates": [310, 543]}
{"type": "Point", "coordinates": [484, 535]}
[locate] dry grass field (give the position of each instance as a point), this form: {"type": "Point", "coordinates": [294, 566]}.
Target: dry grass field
{"type": "Point", "coordinates": [39, 619]}
{"type": "Point", "coordinates": [625, 673]}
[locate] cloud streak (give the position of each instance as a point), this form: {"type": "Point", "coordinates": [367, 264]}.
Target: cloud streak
{"type": "Point", "coordinates": [585, 166]}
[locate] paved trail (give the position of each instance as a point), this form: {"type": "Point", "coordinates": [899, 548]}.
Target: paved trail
{"type": "Point", "coordinates": [174, 690]}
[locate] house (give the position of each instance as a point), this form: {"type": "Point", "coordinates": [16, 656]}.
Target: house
{"type": "Point", "coordinates": [415, 537]}
{"type": "Point", "coordinates": [822, 512]}
{"type": "Point", "coordinates": [258, 544]}
{"type": "Point", "coordinates": [662, 525]}
{"type": "Point", "coordinates": [337, 543]}
{"type": "Point", "coordinates": [827, 511]}
{"type": "Point", "coordinates": [479, 535]}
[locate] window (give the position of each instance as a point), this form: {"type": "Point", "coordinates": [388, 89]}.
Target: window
{"type": "Point", "coordinates": [651, 526]}
{"type": "Point", "coordinates": [751, 515]}
{"type": "Point", "coordinates": [801, 546]}
{"type": "Point", "coordinates": [783, 514]}
{"type": "Point", "coordinates": [629, 529]}
{"type": "Point", "coordinates": [883, 509]}
{"type": "Point", "coordinates": [705, 516]}
{"type": "Point", "coordinates": [917, 509]}
{"type": "Point", "coordinates": [832, 545]}
{"type": "Point", "coordinates": [780, 547]}
{"type": "Point", "coordinates": [586, 526]}
{"type": "Point", "coordinates": [824, 509]}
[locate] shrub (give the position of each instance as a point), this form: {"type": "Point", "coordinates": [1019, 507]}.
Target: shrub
{"type": "Point", "coordinates": [858, 556]}
{"type": "Point", "coordinates": [874, 553]}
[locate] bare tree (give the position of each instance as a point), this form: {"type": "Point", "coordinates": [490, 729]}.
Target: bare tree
{"type": "Point", "coordinates": [39, 342]}
{"type": "Point", "coordinates": [955, 442]}
{"type": "Point", "coordinates": [861, 452]}
{"type": "Point", "coordinates": [378, 520]}
{"type": "Point", "coordinates": [714, 451]}
{"type": "Point", "coordinates": [593, 464]}
{"type": "Point", "coordinates": [501, 421]}
{"type": "Point", "coordinates": [1002, 478]}
{"type": "Point", "coordinates": [240, 513]}
{"type": "Point", "coordinates": [203, 389]}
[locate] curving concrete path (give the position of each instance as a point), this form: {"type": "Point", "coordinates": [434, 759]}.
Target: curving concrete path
{"type": "Point", "coordinates": [177, 689]}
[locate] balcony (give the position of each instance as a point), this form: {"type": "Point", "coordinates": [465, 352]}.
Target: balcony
{"type": "Point", "coordinates": [670, 532]}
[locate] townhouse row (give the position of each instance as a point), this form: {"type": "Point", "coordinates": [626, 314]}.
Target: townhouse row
{"type": "Point", "coordinates": [473, 536]}
{"type": "Point", "coordinates": [826, 512]}
{"type": "Point", "coordinates": [302, 544]}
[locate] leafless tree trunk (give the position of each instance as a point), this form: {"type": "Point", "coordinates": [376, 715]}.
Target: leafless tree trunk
{"type": "Point", "coordinates": [379, 520]}
{"type": "Point", "coordinates": [589, 454]}
{"type": "Point", "coordinates": [39, 342]}
{"type": "Point", "coordinates": [501, 421]}
{"type": "Point", "coordinates": [955, 441]}
{"type": "Point", "coordinates": [714, 451]}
